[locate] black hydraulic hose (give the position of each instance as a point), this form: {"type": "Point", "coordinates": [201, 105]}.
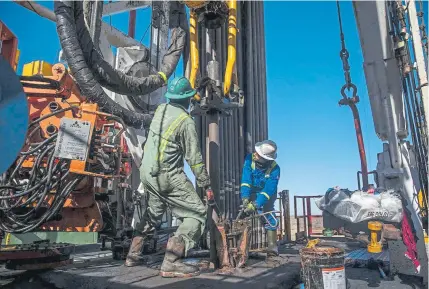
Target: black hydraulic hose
{"type": "Point", "coordinates": [119, 82]}
{"type": "Point", "coordinates": [58, 202]}
{"type": "Point", "coordinates": [55, 184]}
{"type": "Point", "coordinates": [45, 142]}
{"type": "Point", "coordinates": [50, 114]}
{"type": "Point", "coordinates": [40, 157]}
{"type": "Point", "coordinates": [90, 87]}
{"type": "Point", "coordinates": [414, 132]}
{"type": "Point", "coordinates": [48, 181]}
{"type": "Point", "coordinates": [104, 73]}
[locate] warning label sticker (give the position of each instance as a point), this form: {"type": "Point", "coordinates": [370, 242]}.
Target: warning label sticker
{"type": "Point", "coordinates": [72, 140]}
{"type": "Point", "coordinates": [334, 278]}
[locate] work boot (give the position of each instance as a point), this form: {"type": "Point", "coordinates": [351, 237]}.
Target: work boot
{"type": "Point", "coordinates": [135, 257]}
{"type": "Point", "coordinates": [272, 249]}
{"type": "Point", "coordinates": [172, 266]}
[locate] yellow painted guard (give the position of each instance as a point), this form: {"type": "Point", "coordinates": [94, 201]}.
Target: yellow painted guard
{"type": "Point", "coordinates": [37, 67]}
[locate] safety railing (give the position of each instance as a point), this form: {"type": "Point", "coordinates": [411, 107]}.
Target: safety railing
{"type": "Point", "coordinates": [306, 217]}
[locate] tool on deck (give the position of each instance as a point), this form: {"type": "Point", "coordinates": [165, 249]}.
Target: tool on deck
{"type": "Point", "coordinates": [312, 243]}
{"type": "Point", "coordinates": [233, 239]}
{"type": "Point", "coordinates": [37, 255]}
{"type": "Point", "coordinates": [375, 246]}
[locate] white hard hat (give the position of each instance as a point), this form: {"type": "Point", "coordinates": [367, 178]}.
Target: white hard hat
{"type": "Point", "coordinates": [267, 149]}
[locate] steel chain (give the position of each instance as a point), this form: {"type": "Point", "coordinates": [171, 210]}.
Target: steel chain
{"type": "Point", "coordinates": [344, 55]}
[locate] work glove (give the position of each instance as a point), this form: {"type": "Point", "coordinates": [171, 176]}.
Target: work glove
{"type": "Point", "coordinates": [245, 203]}
{"type": "Point", "coordinates": [210, 196]}
{"type": "Point", "coordinates": [249, 208]}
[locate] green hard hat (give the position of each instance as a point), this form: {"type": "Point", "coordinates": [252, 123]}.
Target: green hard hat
{"type": "Point", "coordinates": [180, 88]}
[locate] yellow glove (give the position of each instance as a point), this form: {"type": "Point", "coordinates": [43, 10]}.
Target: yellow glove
{"type": "Point", "coordinates": [245, 202]}
{"type": "Point", "coordinates": [250, 208]}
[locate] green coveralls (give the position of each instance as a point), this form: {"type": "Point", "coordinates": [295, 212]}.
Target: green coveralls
{"type": "Point", "coordinates": [172, 137]}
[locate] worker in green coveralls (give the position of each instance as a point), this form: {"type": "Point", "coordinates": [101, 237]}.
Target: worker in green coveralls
{"type": "Point", "coordinates": [172, 138]}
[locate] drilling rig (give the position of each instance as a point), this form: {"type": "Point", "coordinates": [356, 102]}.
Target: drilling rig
{"type": "Point", "coordinates": [88, 120]}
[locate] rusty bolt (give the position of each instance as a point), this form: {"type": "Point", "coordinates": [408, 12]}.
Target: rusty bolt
{"type": "Point", "coordinates": [58, 69]}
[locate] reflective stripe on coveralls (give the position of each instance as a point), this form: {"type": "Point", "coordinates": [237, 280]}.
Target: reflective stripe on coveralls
{"type": "Point", "coordinates": [264, 184]}
{"type": "Point", "coordinates": [168, 133]}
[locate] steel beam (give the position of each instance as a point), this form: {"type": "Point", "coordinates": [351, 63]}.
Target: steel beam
{"type": "Point", "coordinates": [420, 59]}
{"type": "Point", "coordinates": [384, 89]}
{"type": "Point", "coordinates": [113, 8]}
{"type": "Point", "coordinates": [118, 38]}
{"type": "Point", "coordinates": [94, 19]}
{"type": "Point", "coordinates": [114, 36]}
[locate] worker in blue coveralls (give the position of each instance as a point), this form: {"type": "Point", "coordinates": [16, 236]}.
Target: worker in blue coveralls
{"type": "Point", "coordinates": [259, 182]}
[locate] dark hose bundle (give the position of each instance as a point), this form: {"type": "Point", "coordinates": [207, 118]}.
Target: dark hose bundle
{"type": "Point", "coordinates": [23, 204]}
{"type": "Point", "coordinates": [119, 82]}
{"type": "Point", "coordinates": [66, 30]}
{"type": "Point", "coordinates": [91, 70]}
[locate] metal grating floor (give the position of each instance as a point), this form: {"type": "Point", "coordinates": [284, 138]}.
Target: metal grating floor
{"type": "Point", "coordinates": [362, 256]}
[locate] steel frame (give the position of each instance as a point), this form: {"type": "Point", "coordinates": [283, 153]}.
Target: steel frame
{"type": "Point", "coordinates": [118, 7]}
{"type": "Point", "coordinates": [114, 36]}
{"type": "Point", "coordinates": [306, 214]}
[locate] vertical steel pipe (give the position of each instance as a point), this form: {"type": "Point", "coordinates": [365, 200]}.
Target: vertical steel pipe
{"type": "Point", "coordinates": [420, 60]}
{"type": "Point", "coordinates": [310, 218]}
{"type": "Point", "coordinates": [236, 168]}
{"type": "Point", "coordinates": [95, 20]}
{"type": "Point", "coordinates": [304, 214]}
{"type": "Point", "coordinates": [231, 152]}
{"type": "Point", "coordinates": [295, 206]}
{"type": "Point", "coordinates": [241, 112]}
{"type": "Point", "coordinates": [238, 133]}
{"type": "Point", "coordinates": [250, 120]}
{"type": "Point", "coordinates": [217, 47]}
{"type": "Point", "coordinates": [286, 214]}
{"type": "Point", "coordinates": [264, 71]}
{"type": "Point", "coordinates": [254, 87]}
{"type": "Point", "coordinates": [256, 43]}
{"type": "Point", "coordinates": [203, 71]}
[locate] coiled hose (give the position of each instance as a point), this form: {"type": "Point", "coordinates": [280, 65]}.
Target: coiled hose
{"type": "Point", "coordinates": [23, 205]}
{"type": "Point", "coordinates": [118, 81]}
{"type": "Point", "coordinates": [91, 70]}
{"type": "Point", "coordinates": [66, 30]}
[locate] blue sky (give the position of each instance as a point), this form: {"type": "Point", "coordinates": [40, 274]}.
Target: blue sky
{"type": "Point", "coordinates": [316, 138]}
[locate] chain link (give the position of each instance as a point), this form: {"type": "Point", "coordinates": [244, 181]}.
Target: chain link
{"type": "Point", "coordinates": [344, 55]}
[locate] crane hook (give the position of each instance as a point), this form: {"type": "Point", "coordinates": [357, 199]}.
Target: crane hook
{"type": "Point", "coordinates": [354, 98]}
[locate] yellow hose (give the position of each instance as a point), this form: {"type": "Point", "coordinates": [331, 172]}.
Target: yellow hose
{"type": "Point", "coordinates": [7, 240]}
{"type": "Point", "coordinates": [232, 43]}
{"type": "Point", "coordinates": [193, 48]}
{"type": "Point", "coordinates": [193, 29]}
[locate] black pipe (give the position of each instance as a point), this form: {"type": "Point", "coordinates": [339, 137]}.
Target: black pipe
{"type": "Point", "coordinates": [90, 87]}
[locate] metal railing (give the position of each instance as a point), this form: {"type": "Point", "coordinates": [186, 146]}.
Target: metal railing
{"type": "Point", "coordinates": [306, 214]}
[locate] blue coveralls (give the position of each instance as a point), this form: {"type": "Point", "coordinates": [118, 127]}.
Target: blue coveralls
{"type": "Point", "coordinates": [260, 185]}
